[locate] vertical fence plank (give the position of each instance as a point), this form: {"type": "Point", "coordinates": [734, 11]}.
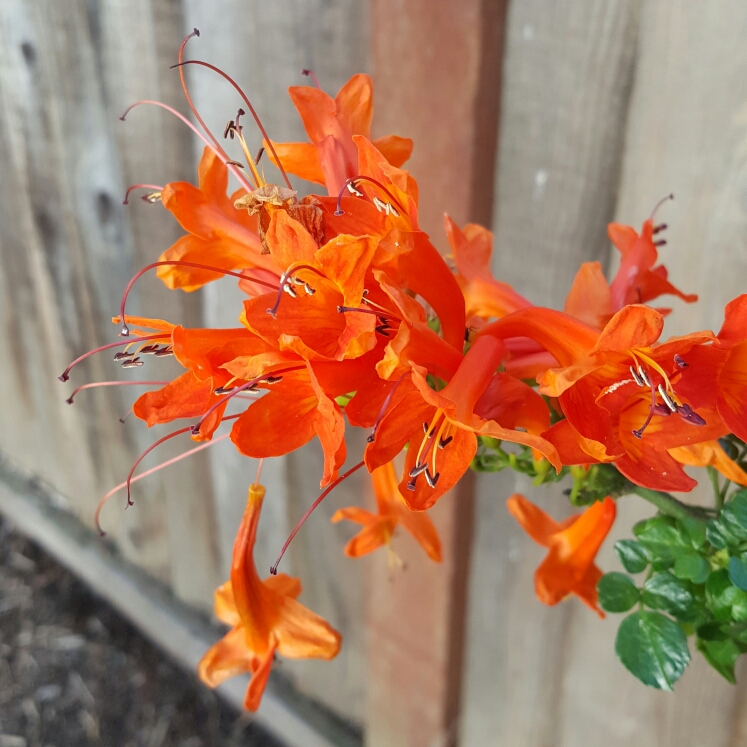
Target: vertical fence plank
{"type": "Point", "coordinates": [567, 76]}
{"type": "Point", "coordinates": [436, 72]}
{"type": "Point", "coordinates": [264, 47]}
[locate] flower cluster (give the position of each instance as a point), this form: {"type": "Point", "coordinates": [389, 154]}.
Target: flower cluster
{"type": "Point", "coordinates": [353, 318]}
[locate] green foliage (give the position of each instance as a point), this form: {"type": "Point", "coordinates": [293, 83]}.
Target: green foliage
{"type": "Point", "coordinates": [653, 648]}
{"type": "Point", "coordinates": [696, 585]}
{"type": "Point", "coordinates": [491, 457]}
{"type": "Point", "coordinates": [617, 592]}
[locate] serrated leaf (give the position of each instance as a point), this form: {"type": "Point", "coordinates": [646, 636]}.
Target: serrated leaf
{"type": "Point", "coordinates": [738, 572]}
{"type": "Point", "coordinates": [721, 655]}
{"type": "Point", "coordinates": [617, 592]}
{"type": "Point", "coordinates": [692, 567]}
{"type": "Point", "coordinates": [633, 555]}
{"type": "Point", "coordinates": [665, 591]}
{"type": "Point", "coordinates": [653, 648]}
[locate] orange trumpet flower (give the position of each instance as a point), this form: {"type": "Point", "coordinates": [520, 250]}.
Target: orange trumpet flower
{"type": "Point", "coordinates": [331, 157]}
{"type": "Point", "coordinates": [379, 527]}
{"type": "Point", "coordinates": [573, 544]}
{"type": "Point", "coordinates": [265, 618]}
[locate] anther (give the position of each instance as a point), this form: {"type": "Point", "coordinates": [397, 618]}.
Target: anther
{"type": "Point", "coordinates": [287, 288]}
{"type": "Point", "coordinates": [229, 129]}
{"type": "Point", "coordinates": [444, 442]}
{"type": "Point", "coordinates": [680, 361]}
{"type": "Point", "coordinates": [659, 228]}
{"type": "Point", "coordinates": [238, 164]}
{"type": "Point", "coordinates": [643, 376]}
{"type": "Point", "coordinates": [259, 155]}
{"type": "Point", "coordinates": [309, 290]}
{"type": "Point", "coordinates": [411, 485]}
{"type": "Point", "coordinates": [149, 350]}
{"type": "Point", "coordinates": [272, 379]}
{"type": "Point", "coordinates": [432, 479]}
{"type": "Point", "coordinates": [370, 438]}
{"type": "Point", "coordinates": [122, 355]}
{"type": "Point", "coordinates": [134, 363]}
{"type": "Point", "coordinates": [223, 390]}
{"type": "Point", "coordinates": [353, 190]}
{"type": "Point", "coordinates": [660, 242]}
{"type": "Point", "coordinates": [418, 469]}
{"type": "Point", "coordinates": [381, 206]}
{"type": "Point", "coordinates": [425, 428]}
{"type": "Point", "coordinates": [164, 352]}
{"type": "Point", "coordinates": [636, 377]}
{"type": "Point", "coordinates": [662, 410]}
{"type": "Point", "coordinates": [382, 330]}
{"type": "Point", "coordinates": [667, 399]}
{"type": "Point", "coordinates": [689, 415]}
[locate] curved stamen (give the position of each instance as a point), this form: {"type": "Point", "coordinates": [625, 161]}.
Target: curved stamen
{"type": "Point", "coordinates": [167, 463]}
{"type": "Point", "coordinates": [269, 377]}
{"type": "Point", "coordinates": [64, 376]}
{"type": "Point", "coordinates": [311, 73]}
{"type": "Point", "coordinates": [224, 159]}
{"type": "Point", "coordinates": [385, 317]}
{"type": "Point", "coordinates": [274, 568]}
{"type": "Point", "coordinates": [178, 263]}
{"type": "Point", "coordinates": [285, 279]}
{"type": "Point", "coordinates": [251, 109]}
{"type": "Point", "coordinates": [190, 103]}
{"type": "Point", "coordinates": [96, 384]}
{"type": "Point", "coordinates": [155, 187]}
{"type": "Point", "coordinates": [372, 436]}
{"type": "Point", "coordinates": [157, 443]}
{"type": "Point", "coordinates": [354, 180]}
{"type": "Point", "coordinates": [670, 196]}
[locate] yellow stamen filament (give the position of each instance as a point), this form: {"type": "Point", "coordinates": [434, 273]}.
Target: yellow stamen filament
{"type": "Point", "coordinates": [444, 426]}
{"type": "Point", "coordinates": [428, 436]}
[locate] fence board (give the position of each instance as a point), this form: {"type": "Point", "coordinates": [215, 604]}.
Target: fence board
{"type": "Point", "coordinates": [566, 81]}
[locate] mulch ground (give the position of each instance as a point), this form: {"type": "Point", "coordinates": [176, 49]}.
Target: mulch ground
{"type": "Point", "coordinates": [75, 673]}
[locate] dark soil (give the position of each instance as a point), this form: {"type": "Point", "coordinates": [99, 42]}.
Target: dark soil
{"type": "Point", "coordinates": [73, 672]}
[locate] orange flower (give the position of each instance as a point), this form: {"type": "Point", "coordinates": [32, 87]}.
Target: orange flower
{"type": "Point", "coordinates": [573, 544]}
{"type": "Point", "coordinates": [331, 157]}
{"type": "Point", "coordinates": [710, 454]}
{"type": "Point", "coordinates": [219, 234]}
{"type": "Point", "coordinates": [615, 385]}
{"type": "Point", "coordinates": [442, 427]}
{"type": "Point", "coordinates": [485, 296]}
{"type": "Point", "coordinates": [265, 618]}
{"type": "Point", "coordinates": [379, 527]}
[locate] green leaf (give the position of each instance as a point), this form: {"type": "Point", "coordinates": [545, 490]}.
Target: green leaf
{"type": "Point", "coordinates": [692, 567]}
{"type": "Point", "coordinates": [738, 573]}
{"type": "Point", "coordinates": [719, 595]}
{"type": "Point", "coordinates": [663, 538]}
{"type": "Point", "coordinates": [632, 555]}
{"type": "Point", "coordinates": [721, 655]}
{"type": "Point", "coordinates": [696, 529]}
{"type": "Point", "coordinates": [653, 648]}
{"type": "Point", "coordinates": [671, 594]}
{"type": "Point", "coordinates": [617, 592]}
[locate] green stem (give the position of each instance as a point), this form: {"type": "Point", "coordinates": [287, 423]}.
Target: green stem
{"type": "Point", "coordinates": [718, 494]}
{"type": "Point", "coordinates": [669, 505]}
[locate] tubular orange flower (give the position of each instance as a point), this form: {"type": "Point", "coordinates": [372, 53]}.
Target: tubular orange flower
{"type": "Point", "coordinates": [379, 527]}
{"type": "Point", "coordinates": [573, 544]}
{"type": "Point", "coordinates": [331, 157]}
{"type": "Point", "coordinates": [219, 234]}
{"type": "Point", "coordinates": [265, 618]}
{"type": "Point", "coordinates": [442, 427]}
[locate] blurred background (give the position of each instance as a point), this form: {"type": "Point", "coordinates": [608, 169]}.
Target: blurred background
{"type": "Point", "coordinates": [543, 119]}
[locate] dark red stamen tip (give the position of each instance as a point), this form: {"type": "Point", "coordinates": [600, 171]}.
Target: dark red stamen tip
{"type": "Point", "coordinates": [385, 405]}
{"type": "Point", "coordinates": [690, 416]}
{"type": "Point", "coordinates": [660, 242]}
{"type": "Point", "coordinates": [97, 384]}
{"type": "Point", "coordinates": [659, 228]}
{"type": "Point", "coordinates": [679, 360]}
{"type": "Point", "coordinates": [310, 73]}
{"type": "Point", "coordinates": [670, 196]}
{"type": "Point", "coordinates": [328, 490]}
{"type": "Point", "coordinates": [195, 32]}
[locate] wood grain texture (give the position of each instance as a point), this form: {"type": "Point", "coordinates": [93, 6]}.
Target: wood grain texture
{"type": "Point", "coordinates": [264, 46]}
{"type": "Point", "coordinates": [566, 81]}
{"type": "Point", "coordinates": [437, 70]}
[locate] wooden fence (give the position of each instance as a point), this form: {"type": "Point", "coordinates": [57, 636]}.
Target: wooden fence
{"type": "Point", "coordinates": [543, 118]}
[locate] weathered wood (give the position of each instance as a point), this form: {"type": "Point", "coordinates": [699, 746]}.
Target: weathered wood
{"type": "Point", "coordinates": [265, 47]}
{"type": "Point", "coordinates": [184, 635]}
{"type": "Point", "coordinates": [567, 75]}
{"type": "Point", "coordinates": [436, 74]}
